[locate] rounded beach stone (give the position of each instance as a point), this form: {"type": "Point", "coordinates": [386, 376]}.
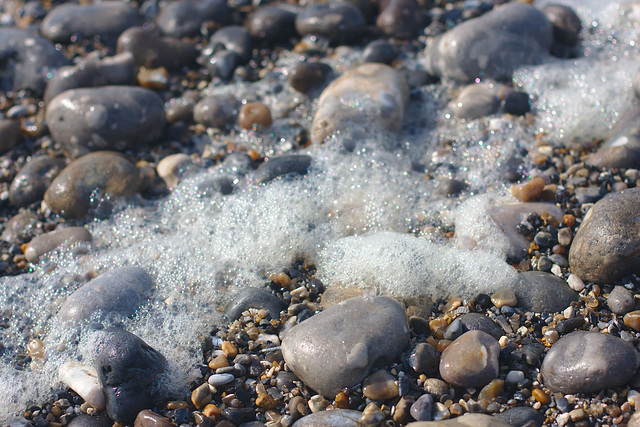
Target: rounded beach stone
{"type": "Point", "coordinates": [148, 418]}
{"type": "Point", "coordinates": [20, 227]}
{"type": "Point", "coordinates": [337, 347]}
{"type": "Point", "coordinates": [607, 244]}
{"type": "Point", "coordinates": [216, 111]}
{"type": "Point", "coordinates": [304, 76]}
{"type": "Point", "coordinates": [233, 38]}
{"type": "Point", "coordinates": [84, 420]}
{"type": "Point", "coordinates": [341, 23]}
{"type": "Point", "coordinates": [335, 417]}
{"type": "Point", "coordinates": [587, 362]}
{"type": "Point", "coordinates": [492, 45]}
{"type": "Point", "coordinates": [273, 23]}
{"type": "Point", "coordinates": [184, 18]}
{"type": "Point", "coordinates": [289, 164]}
{"type": "Point", "coordinates": [422, 408]}
{"type": "Point", "coordinates": [47, 242]}
{"type": "Point", "coordinates": [480, 322]}
{"type": "Point", "coordinates": [83, 379]}
{"type": "Point", "coordinates": [471, 360]}
{"type": "Point", "coordinates": [538, 291]}
{"type": "Point", "coordinates": [381, 51]}
{"type": "Point", "coordinates": [424, 359]}
{"type": "Point", "coordinates": [380, 91]}
{"type": "Point", "coordinates": [109, 117]}
{"type": "Point", "coordinates": [106, 19]}
{"type": "Point", "coordinates": [566, 23]}
{"type": "Point", "coordinates": [380, 386]}
{"type": "Point", "coordinates": [127, 369]}
{"type": "Point", "coordinates": [119, 290]}
{"type": "Point", "coordinates": [91, 72]}
{"type": "Point", "coordinates": [255, 298]}
{"type": "Point", "coordinates": [622, 148]}
{"type": "Point", "coordinates": [173, 167]}
{"type": "Point", "coordinates": [9, 134]}
{"type": "Point", "coordinates": [521, 416]}
{"type": "Point", "coordinates": [476, 101]}
{"type": "Point", "coordinates": [152, 51]}
{"type": "Point", "coordinates": [467, 420]}
{"type": "Point", "coordinates": [398, 18]}
{"type": "Point", "coordinates": [92, 176]}
{"type": "Point", "coordinates": [621, 300]}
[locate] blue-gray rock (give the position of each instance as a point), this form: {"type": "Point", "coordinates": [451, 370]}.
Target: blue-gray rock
{"type": "Point", "coordinates": [337, 347]}
{"type": "Point", "coordinates": [421, 408]}
{"type": "Point", "coordinates": [216, 111]}
{"type": "Point", "coordinates": [119, 290]}
{"type": "Point", "coordinates": [305, 76]}
{"type": "Point", "coordinates": [399, 18]}
{"type": "Point", "coordinates": [467, 420]}
{"type": "Point", "coordinates": [222, 64]}
{"type": "Point", "coordinates": [128, 371]}
{"type": "Point", "coordinates": [151, 50]}
{"type": "Point", "coordinates": [621, 301]}
{"type": "Point", "coordinates": [587, 362]}
{"type": "Point", "coordinates": [255, 298]}
{"type": "Point", "coordinates": [30, 183]}
{"type": "Point", "coordinates": [340, 23]}
{"type": "Point", "coordinates": [273, 23]}
{"type": "Point", "coordinates": [516, 103]}
{"type": "Point", "coordinates": [47, 242]}
{"type": "Point", "coordinates": [10, 133]}
{"type": "Point", "coordinates": [476, 101]}
{"type": "Point", "coordinates": [381, 51]}
{"type": "Point", "coordinates": [290, 164]}
{"type": "Point", "coordinates": [334, 418]}
{"type": "Point", "coordinates": [105, 118]}
{"type": "Point", "coordinates": [622, 148]}
{"type": "Point", "coordinates": [233, 38]}
{"type": "Point", "coordinates": [107, 19]}
{"type": "Point", "coordinates": [85, 183]}
{"type": "Point", "coordinates": [566, 23]}
{"type": "Point", "coordinates": [607, 244]}
{"type": "Point", "coordinates": [454, 330]}
{"type": "Point", "coordinates": [184, 18]}
{"type": "Point", "coordinates": [91, 72]}
{"type": "Point", "coordinates": [491, 46]}
{"type": "Point", "coordinates": [32, 59]}
{"type": "Point", "coordinates": [521, 415]}
{"type": "Point", "coordinates": [538, 291]}
{"type": "Point", "coordinates": [424, 359]}
{"type": "Point", "coordinates": [480, 322]}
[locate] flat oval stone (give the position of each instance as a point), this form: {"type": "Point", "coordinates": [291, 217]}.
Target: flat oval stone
{"type": "Point", "coordinates": [47, 242]}
{"type": "Point", "coordinates": [289, 164]}
{"type": "Point", "coordinates": [380, 386]}
{"type": "Point", "coordinates": [337, 347]}
{"type": "Point", "coordinates": [255, 298]}
{"type": "Point", "coordinates": [10, 133]}
{"type": "Point", "coordinates": [220, 379]}
{"type": "Point", "coordinates": [335, 417]}
{"type": "Point", "coordinates": [83, 379]}
{"type": "Point", "coordinates": [607, 244]}
{"type": "Point", "coordinates": [341, 23]}
{"type": "Point", "coordinates": [148, 418]}
{"type": "Point", "coordinates": [152, 51]}
{"type": "Point", "coordinates": [216, 111]}
{"type": "Point", "coordinates": [622, 148]}
{"type": "Point", "coordinates": [587, 362]}
{"type": "Point", "coordinates": [621, 300]}
{"type": "Point", "coordinates": [471, 360]}
{"type": "Point", "coordinates": [106, 19]}
{"type": "Point", "coordinates": [119, 290]}
{"type": "Point", "coordinates": [380, 91]}
{"type": "Point", "coordinates": [105, 118]}
{"type": "Point", "coordinates": [31, 182]}
{"type": "Point", "coordinates": [91, 72]}
{"type": "Point", "coordinates": [476, 101]}
{"type": "Point", "coordinates": [304, 76]}
{"type": "Point", "coordinates": [184, 18]}
{"type": "Point", "coordinates": [467, 420]}
{"type": "Point", "coordinates": [538, 291]}
{"type": "Point", "coordinates": [492, 45]}
{"type": "Point", "coordinates": [273, 23]}
{"type": "Point", "coordinates": [92, 176]}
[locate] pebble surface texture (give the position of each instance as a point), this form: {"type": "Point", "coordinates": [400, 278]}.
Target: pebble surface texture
{"type": "Point", "coordinates": [336, 348]}
{"type": "Point", "coordinates": [471, 360]}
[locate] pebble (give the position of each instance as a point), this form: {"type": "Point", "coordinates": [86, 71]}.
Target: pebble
{"type": "Point", "coordinates": [565, 22]}
{"type": "Point", "coordinates": [399, 18]}
{"type": "Point", "coordinates": [516, 103]}
{"type": "Point", "coordinates": [151, 50]}
{"type": "Point", "coordinates": [273, 22]}
{"type": "Point", "coordinates": [421, 409]}
{"type": "Point", "coordinates": [119, 290]}
{"type": "Point", "coordinates": [86, 180]}
{"type": "Point", "coordinates": [220, 379]}
{"type": "Point", "coordinates": [467, 420]}
{"type": "Point", "coordinates": [632, 320]}
{"type": "Point", "coordinates": [254, 115]}
{"type": "Point", "coordinates": [471, 360]}
{"type": "Point", "coordinates": [373, 83]}
{"type": "Point", "coordinates": [148, 418]}
{"type": "Point", "coordinates": [475, 101]}
{"type": "Point", "coordinates": [380, 51]}
{"type": "Point", "coordinates": [255, 298]}
{"type": "Point", "coordinates": [622, 148]}
{"type": "Point", "coordinates": [522, 416]}
{"type": "Point", "coordinates": [127, 369]}
{"type": "Point", "coordinates": [105, 118]}
{"type": "Point", "coordinates": [9, 134]}
{"type": "Point", "coordinates": [539, 291]}
{"type": "Point", "coordinates": [529, 190]}
{"type": "Point", "coordinates": [514, 377]}
{"type": "Point", "coordinates": [31, 182]}
{"type": "Point", "coordinates": [402, 412]}
{"type": "Point", "coordinates": [47, 242]}
{"type": "Point", "coordinates": [340, 23]}
{"type": "Point", "coordinates": [19, 228]}
{"type": "Point", "coordinates": [216, 111]}
{"type": "Point", "coordinates": [201, 396]}
{"type": "Point", "coordinates": [83, 379]}
{"type": "Point", "coordinates": [337, 347]}
{"type": "Point", "coordinates": [83, 420]}
{"type": "Point", "coordinates": [173, 168]}
{"type": "Point", "coordinates": [184, 18]}
{"type": "Point", "coordinates": [504, 297]}
{"type": "Point", "coordinates": [282, 166]}
{"type": "Point", "coordinates": [306, 75]}
{"type": "Point", "coordinates": [491, 46]}
{"type": "Point", "coordinates": [233, 38]}
{"type": "Point", "coordinates": [380, 386]}
{"type": "Point", "coordinates": [603, 248]}
{"type": "Point", "coordinates": [587, 362]}
{"type": "Point", "coordinates": [480, 322]}
{"type": "Point", "coordinates": [68, 22]}
{"type": "Point", "coordinates": [620, 300]}
{"type": "Point", "coordinates": [335, 417]}
{"type": "Point", "coordinates": [575, 282]}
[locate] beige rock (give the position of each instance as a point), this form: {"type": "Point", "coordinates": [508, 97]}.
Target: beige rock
{"type": "Point", "coordinates": [471, 360]}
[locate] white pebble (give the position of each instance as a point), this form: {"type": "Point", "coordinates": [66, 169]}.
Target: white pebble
{"type": "Point", "coordinates": [575, 282]}
{"type": "Point", "coordinates": [515, 377]}
{"type": "Point", "coordinates": [83, 379]}
{"type": "Point", "coordinates": [563, 419]}
{"type": "Point", "coordinates": [569, 312]}
{"type": "Point", "coordinates": [220, 379]}
{"type": "Point", "coordinates": [634, 398]}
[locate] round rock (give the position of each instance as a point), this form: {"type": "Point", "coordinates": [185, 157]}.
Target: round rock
{"type": "Point", "coordinates": [621, 300]}
{"type": "Point", "coordinates": [566, 23]}
{"type": "Point", "coordinates": [47, 242]}
{"type": "Point", "coordinates": [255, 298]}
{"type": "Point", "coordinates": [398, 18]}
{"type": "Point", "coordinates": [87, 179]}
{"type": "Point", "coordinates": [336, 417]}
{"type": "Point", "coordinates": [233, 38]}
{"type": "Point", "coordinates": [607, 244]}
{"type": "Point", "coordinates": [341, 23]}
{"type": "Point", "coordinates": [307, 75]}
{"type": "Point", "coordinates": [471, 360]}
{"type": "Point", "coordinates": [476, 101]}
{"type": "Point", "coordinates": [587, 362]}
{"type": "Point", "coordinates": [216, 111]}
{"type": "Point", "coordinates": [538, 291]}
{"type": "Point", "coordinates": [337, 347]}
{"type": "Point", "coordinates": [273, 23]}
{"type": "Point", "coordinates": [622, 148]}
{"type": "Point", "coordinates": [109, 117]}
{"type": "Point", "coordinates": [184, 18]}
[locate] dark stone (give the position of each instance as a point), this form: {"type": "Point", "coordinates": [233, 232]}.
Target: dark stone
{"type": "Point", "coordinates": [588, 194]}
{"type": "Point", "coordinates": [128, 371]}
{"type": "Point", "coordinates": [454, 330]}
{"type": "Point", "coordinates": [340, 23]}
{"type": "Point", "coordinates": [285, 381]}
{"type": "Point", "coordinates": [107, 20]}
{"type": "Point", "coordinates": [255, 298]}
{"type": "Point", "coordinates": [516, 103]}
{"type": "Point", "coordinates": [152, 51]}
{"type": "Point", "coordinates": [239, 415]}
{"type": "Point", "coordinates": [425, 359]}
{"type": "Point", "coordinates": [216, 111]}
{"type": "Point", "coordinates": [273, 23]}
{"type": "Point", "coordinates": [569, 325]}
{"type": "Point", "coordinates": [184, 18]}
{"type": "Point", "coordinates": [20, 228]}
{"type": "Point", "coordinates": [51, 240]}
{"type": "Point", "coordinates": [10, 134]}
{"type": "Point", "coordinates": [90, 421]}
{"type": "Point", "coordinates": [622, 148]}
{"type": "Point", "coordinates": [521, 415]}
{"type": "Point", "coordinates": [237, 163]}
{"type": "Point", "coordinates": [380, 51]}
{"type": "Point", "coordinates": [451, 187]}
{"type": "Point", "coordinates": [538, 292]}
{"type": "Point", "coordinates": [480, 322]}
{"type": "Point", "coordinates": [398, 18]}
{"type": "Point", "coordinates": [566, 23]}
{"type": "Point", "coordinates": [291, 164]}
{"type": "Point", "coordinates": [308, 75]}
{"type": "Point", "coordinates": [222, 64]}
{"type": "Point", "coordinates": [233, 38]}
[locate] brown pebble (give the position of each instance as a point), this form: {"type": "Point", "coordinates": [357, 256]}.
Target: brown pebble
{"type": "Point", "coordinates": [371, 416]}
{"type": "Point", "coordinates": [541, 396]}
{"type": "Point", "coordinates": [380, 386]}
{"type": "Point", "coordinates": [201, 396]}
{"type": "Point", "coordinates": [280, 279]}
{"type": "Point", "coordinates": [254, 114]}
{"type": "Point", "coordinates": [402, 414]}
{"type": "Point", "coordinates": [491, 390]}
{"type": "Point", "coordinates": [298, 406]}
{"type": "Point", "coordinates": [504, 297]}
{"type": "Point", "coordinates": [438, 326]}
{"type": "Point", "coordinates": [632, 320]}
{"type": "Point", "coordinates": [220, 361]}
{"type": "Point", "coordinates": [177, 404]}
{"type": "Point", "coordinates": [229, 349]}
{"type": "Point", "coordinates": [35, 348]}
{"type": "Point", "coordinates": [529, 190]}
{"type": "Point", "coordinates": [265, 401]}
{"type": "Point", "coordinates": [211, 411]}
{"type": "Point", "coordinates": [342, 401]}
{"type": "Point", "coordinates": [148, 418]}
{"type": "Point", "coordinates": [569, 220]}
{"type": "Point", "coordinates": [153, 78]}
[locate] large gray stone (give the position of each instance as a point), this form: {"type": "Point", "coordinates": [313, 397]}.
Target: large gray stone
{"type": "Point", "coordinates": [31, 182]}
{"type": "Point", "coordinates": [334, 418]}
{"type": "Point", "coordinates": [621, 301]}
{"type": "Point", "coordinates": [491, 46]}
{"type": "Point", "coordinates": [587, 362]}
{"type": "Point", "coordinates": [90, 182]}
{"type": "Point", "coordinates": [47, 242]}
{"type": "Point", "coordinates": [537, 291]}
{"type": "Point", "coordinates": [119, 290]}
{"type": "Point", "coordinates": [105, 118]}
{"type": "Point", "coordinates": [152, 51]}
{"type": "Point", "coordinates": [476, 101]}
{"type": "Point", "coordinates": [622, 148]}
{"type": "Point", "coordinates": [467, 420]}
{"type": "Point", "coordinates": [607, 244]}
{"type": "Point", "coordinates": [337, 347]}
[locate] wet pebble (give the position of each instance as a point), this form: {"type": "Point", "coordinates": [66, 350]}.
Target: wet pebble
{"type": "Point", "coordinates": [185, 17]}
{"type": "Point", "coordinates": [336, 417]}
{"type": "Point", "coordinates": [83, 379]}
{"type": "Point", "coordinates": [290, 164]}
{"type": "Point", "coordinates": [9, 134]}
{"type": "Point", "coordinates": [20, 227]}
{"type": "Point", "coordinates": [566, 23]}
{"type": "Point", "coordinates": [305, 75]}
{"type": "Point", "coordinates": [31, 182]}
{"type": "Point", "coordinates": [148, 418]}
{"type": "Point", "coordinates": [151, 50]}
{"type": "Point", "coordinates": [621, 300]}
{"type": "Point", "coordinates": [381, 51]}
{"type": "Point", "coordinates": [255, 298]}
{"type": "Point", "coordinates": [471, 360]}
{"type": "Point", "coordinates": [233, 38]}
{"type": "Point", "coordinates": [273, 23]}
{"type": "Point", "coordinates": [622, 148]}
{"type": "Point", "coordinates": [480, 322]}
{"type": "Point", "coordinates": [539, 291]}
{"type": "Point", "coordinates": [516, 103]}
{"type": "Point", "coordinates": [215, 111]}
{"type": "Point", "coordinates": [521, 416]}
{"type": "Point", "coordinates": [380, 386]}
{"type": "Point", "coordinates": [424, 359]}
{"type": "Point", "coordinates": [254, 115]}
{"type": "Point", "coordinates": [220, 379]}
{"type": "Point", "coordinates": [51, 240]}
{"type": "Point", "coordinates": [476, 101]}
{"type": "Point", "coordinates": [173, 168]}
{"type": "Point", "coordinates": [341, 23]}
{"type": "Point", "coordinates": [421, 408]}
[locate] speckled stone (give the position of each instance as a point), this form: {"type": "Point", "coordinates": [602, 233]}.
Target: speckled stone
{"type": "Point", "coordinates": [471, 360]}
{"type": "Point", "coordinates": [337, 347]}
{"type": "Point", "coordinates": [607, 243]}
{"type": "Point", "coordinates": [333, 418]}
{"type": "Point", "coordinates": [467, 420]}
{"type": "Point", "coordinates": [421, 408]}
{"type": "Point", "coordinates": [621, 300]}
{"type": "Point", "coordinates": [587, 362]}
{"type": "Point", "coordinates": [47, 242]}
